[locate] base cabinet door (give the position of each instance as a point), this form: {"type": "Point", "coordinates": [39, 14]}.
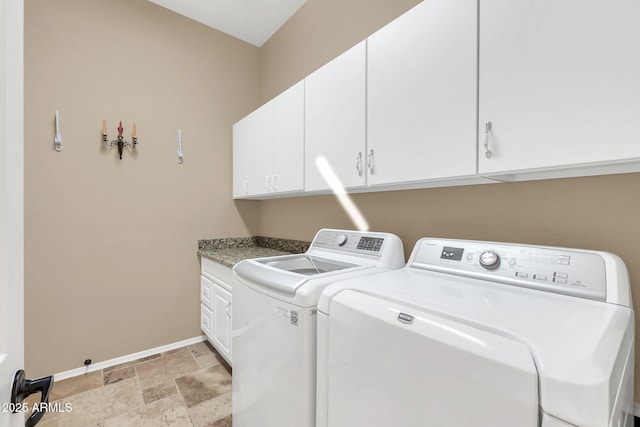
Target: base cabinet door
{"type": "Point", "coordinates": [215, 306]}
{"type": "Point", "coordinates": [206, 320]}
{"type": "Point", "coordinates": [222, 321]}
{"type": "Point", "coordinates": [558, 81]}
{"type": "Point", "coordinates": [206, 291]}
{"type": "Point", "coordinates": [421, 94]}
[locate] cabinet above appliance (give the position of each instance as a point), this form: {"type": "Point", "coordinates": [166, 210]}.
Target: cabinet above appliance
{"type": "Point", "coordinates": [456, 92]}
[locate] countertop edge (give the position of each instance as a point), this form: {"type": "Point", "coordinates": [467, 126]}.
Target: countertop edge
{"type": "Point", "coordinates": [230, 251]}
{"type": "Point", "coordinates": [287, 245]}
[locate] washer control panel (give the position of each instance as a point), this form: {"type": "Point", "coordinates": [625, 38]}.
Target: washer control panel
{"type": "Point", "coordinates": [351, 241]}
{"type": "Point", "coordinates": [489, 260]}
{"type": "Point", "coordinates": [564, 271]}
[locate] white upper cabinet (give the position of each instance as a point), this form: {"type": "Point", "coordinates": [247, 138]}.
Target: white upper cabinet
{"type": "Point", "coordinates": [335, 120]}
{"type": "Point", "coordinates": [288, 140]}
{"type": "Point", "coordinates": [421, 94]}
{"type": "Point", "coordinates": [559, 82]}
{"type": "Point", "coordinates": [253, 152]}
{"type": "Point", "coordinates": [268, 147]}
{"type": "Point", "coordinates": [410, 107]}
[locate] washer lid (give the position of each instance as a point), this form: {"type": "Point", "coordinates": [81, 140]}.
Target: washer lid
{"type": "Point", "coordinates": [285, 275]}
{"type": "Point", "coordinates": [576, 343]}
{"type": "Point", "coordinates": [306, 264]}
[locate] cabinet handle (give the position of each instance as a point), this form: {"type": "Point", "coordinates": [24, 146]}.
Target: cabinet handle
{"type": "Point", "coordinates": [228, 309]}
{"type": "Point", "coordinates": [246, 187]}
{"type": "Point", "coordinates": [268, 183]}
{"type": "Point", "coordinates": [359, 163]}
{"type": "Point", "coordinates": [275, 183]}
{"type": "Point", "coordinates": [487, 130]}
{"type": "Point", "coordinates": [370, 162]}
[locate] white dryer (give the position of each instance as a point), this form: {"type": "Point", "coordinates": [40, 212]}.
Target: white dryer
{"type": "Point", "coordinates": [479, 334]}
{"type": "Point", "coordinates": [274, 322]}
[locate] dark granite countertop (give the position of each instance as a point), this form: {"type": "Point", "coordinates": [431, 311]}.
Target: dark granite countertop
{"type": "Point", "coordinates": [231, 250]}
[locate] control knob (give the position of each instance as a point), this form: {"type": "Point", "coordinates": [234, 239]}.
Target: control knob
{"type": "Point", "coordinates": [489, 260]}
{"type": "Point", "coordinates": [342, 240]}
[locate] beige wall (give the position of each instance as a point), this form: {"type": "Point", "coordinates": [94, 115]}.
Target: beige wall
{"type": "Point", "coordinates": [317, 33]}
{"type": "Point", "coordinates": [110, 245]}
{"type": "Point", "coordinates": [596, 212]}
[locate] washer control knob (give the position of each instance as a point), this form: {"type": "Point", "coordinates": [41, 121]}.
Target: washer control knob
{"type": "Point", "coordinates": [489, 260]}
{"type": "Point", "coordinates": [342, 240]}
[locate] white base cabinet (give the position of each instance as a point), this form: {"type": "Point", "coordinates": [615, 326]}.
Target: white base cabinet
{"type": "Point", "coordinates": [222, 319]}
{"type": "Point", "coordinates": [216, 306]}
{"type": "Point", "coordinates": [206, 320]}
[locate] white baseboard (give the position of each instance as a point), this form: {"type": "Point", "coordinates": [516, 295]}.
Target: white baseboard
{"type": "Point", "coordinates": [123, 359]}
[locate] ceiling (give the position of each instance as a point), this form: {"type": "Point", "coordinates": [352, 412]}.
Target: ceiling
{"type": "Point", "coordinates": [253, 21]}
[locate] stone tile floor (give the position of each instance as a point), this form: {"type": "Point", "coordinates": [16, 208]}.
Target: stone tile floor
{"type": "Point", "coordinates": [188, 386]}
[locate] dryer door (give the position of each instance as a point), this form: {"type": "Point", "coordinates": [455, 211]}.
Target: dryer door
{"type": "Point", "coordinates": [388, 364]}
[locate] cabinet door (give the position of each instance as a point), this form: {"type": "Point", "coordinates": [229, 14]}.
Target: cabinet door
{"type": "Point", "coordinates": [206, 320]}
{"type": "Point", "coordinates": [421, 94]}
{"type": "Point", "coordinates": [559, 82]}
{"type": "Point", "coordinates": [335, 119]}
{"type": "Point", "coordinates": [288, 140]}
{"type": "Point", "coordinates": [206, 291]}
{"type": "Point", "coordinates": [222, 322]}
{"type": "Point", "coordinates": [253, 152]}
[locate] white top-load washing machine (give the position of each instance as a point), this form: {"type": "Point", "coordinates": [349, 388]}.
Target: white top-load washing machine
{"type": "Point", "coordinates": [479, 334]}
{"type": "Point", "coordinates": [274, 322]}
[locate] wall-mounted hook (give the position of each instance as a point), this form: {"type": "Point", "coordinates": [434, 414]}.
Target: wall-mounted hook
{"type": "Point", "coordinates": [57, 139]}
{"type": "Point", "coordinates": [180, 156]}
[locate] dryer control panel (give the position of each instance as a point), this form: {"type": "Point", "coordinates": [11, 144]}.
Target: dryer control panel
{"type": "Point", "coordinates": [558, 270]}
